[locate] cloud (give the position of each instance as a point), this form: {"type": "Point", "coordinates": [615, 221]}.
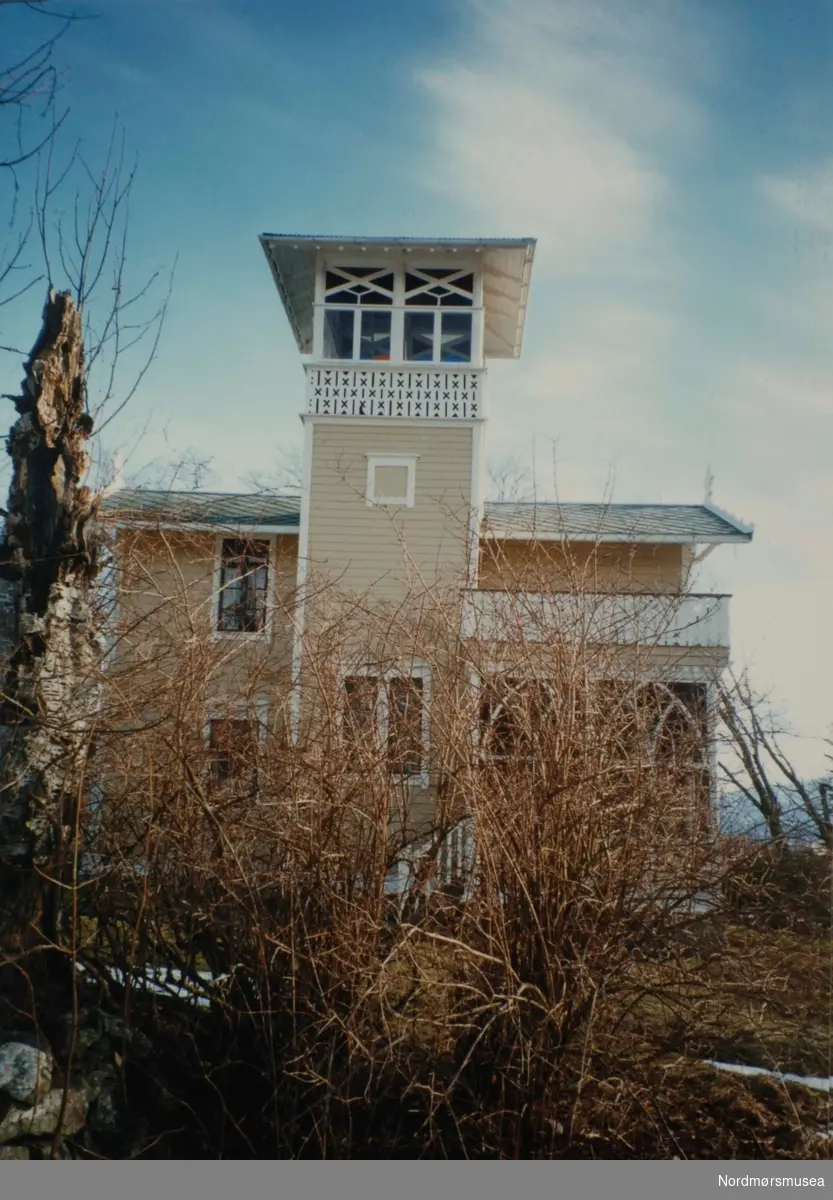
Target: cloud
{"type": "Point", "coordinates": [601, 128]}
{"type": "Point", "coordinates": [552, 123]}
{"type": "Point", "coordinates": [807, 200]}
{"type": "Point", "coordinates": [524, 161]}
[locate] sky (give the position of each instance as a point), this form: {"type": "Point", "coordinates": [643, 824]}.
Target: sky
{"type": "Point", "coordinates": [674, 161]}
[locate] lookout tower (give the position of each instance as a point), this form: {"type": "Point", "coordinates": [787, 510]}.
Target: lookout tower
{"type": "Point", "coordinates": [395, 335]}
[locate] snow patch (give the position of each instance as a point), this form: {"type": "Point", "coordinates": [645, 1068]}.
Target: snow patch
{"type": "Point", "coordinates": [817, 1082]}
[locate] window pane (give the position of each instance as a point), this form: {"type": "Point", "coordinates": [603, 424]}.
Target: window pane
{"type": "Point", "coordinates": [455, 337]}
{"type": "Point", "coordinates": [233, 747]}
{"type": "Point", "coordinates": [359, 713]}
{"type": "Point", "coordinates": [405, 748]}
{"type": "Point", "coordinates": [375, 336]}
{"type": "Point", "coordinates": [390, 483]}
{"type": "Point", "coordinates": [244, 577]}
{"type": "Point", "coordinates": [419, 336]}
{"type": "Point", "coordinates": [342, 297]}
{"type": "Point", "coordinates": [338, 334]}
{"type": "Point", "coordinates": [358, 285]}
{"type": "Point", "coordinates": [464, 285]}
{"type": "Point", "coordinates": [516, 716]}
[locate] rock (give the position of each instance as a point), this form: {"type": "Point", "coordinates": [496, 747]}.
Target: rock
{"type": "Point", "coordinates": [42, 1118]}
{"type": "Point", "coordinates": [25, 1072]}
{"type": "Point", "coordinates": [10, 1153]}
{"type": "Point", "coordinates": [105, 1113]}
{"type": "Point", "coordinates": [43, 1150]}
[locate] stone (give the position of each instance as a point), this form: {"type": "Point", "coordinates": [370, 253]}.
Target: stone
{"type": "Point", "coordinates": [13, 1153]}
{"type": "Point", "coordinates": [25, 1072]}
{"type": "Point", "coordinates": [42, 1118]}
{"type": "Point", "coordinates": [43, 1150]}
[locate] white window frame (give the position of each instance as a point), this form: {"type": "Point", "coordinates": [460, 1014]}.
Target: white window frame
{"type": "Point", "coordinates": [237, 710]}
{"type": "Point", "coordinates": [416, 670]}
{"type": "Point", "coordinates": [237, 635]}
{"type": "Point", "coordinates": [436, 359]}
{"type": "Point", "coordinates": [397, 311]}
{"type": "Point", "coordinates": [375, 460]}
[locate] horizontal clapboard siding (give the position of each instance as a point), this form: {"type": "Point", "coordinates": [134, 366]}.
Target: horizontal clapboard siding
{"type": "Point", "coordinates": [378, 547]}
{"type": "Point", "coordinates": [536, 566]}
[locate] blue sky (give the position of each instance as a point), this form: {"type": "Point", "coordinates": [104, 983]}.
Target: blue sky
{"type": "Point", "coordinates": [674, 160]}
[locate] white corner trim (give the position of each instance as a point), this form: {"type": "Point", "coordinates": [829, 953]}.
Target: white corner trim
{"type": "Point", "coordinates": [374, 460]}
{"type": "Point", "coordinates": [299, 614]}
{"type": "Point", "coordinates": [476, 500]}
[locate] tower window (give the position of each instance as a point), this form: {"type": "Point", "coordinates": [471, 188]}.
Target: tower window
{"type": "Point", "coordinates": [361, 324]}
{"type": "Point", "coordinates": [438, 337]}
{"type": "Point", "coordinates": [391, 479]}
{"type": "Point", "coordinates": [374, 343]}
{"type": "Point", "coordinates": [439, 287]}
{"type": "Point", "coordinates": [338, 333]}
{"type": "Point", "coordinates": [358, 285]}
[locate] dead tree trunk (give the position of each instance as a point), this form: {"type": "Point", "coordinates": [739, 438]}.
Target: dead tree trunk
{"type": "Point", "coordinates": [49, 695]}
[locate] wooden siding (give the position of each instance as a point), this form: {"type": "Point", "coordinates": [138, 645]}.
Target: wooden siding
{"type": "Point", "coordinates": [380, 547]}
{"type": "Point", "coordinates": [521, 565]}
{"type": "Point", "coordinates": [165, 583]}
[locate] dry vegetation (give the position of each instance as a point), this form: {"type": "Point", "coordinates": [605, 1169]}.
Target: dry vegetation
{"type": "Point", "coordinates": [549, 995]}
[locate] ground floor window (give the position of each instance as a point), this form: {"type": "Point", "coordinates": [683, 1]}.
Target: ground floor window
{"type": "Point", "coordinates": [517, 717]}
{"type": "Point", "coordinates": [233, 747]}
{"type": "Point", "coordinates": [386, 715]}
{"type": "Point", "coordinates": [524, 720]}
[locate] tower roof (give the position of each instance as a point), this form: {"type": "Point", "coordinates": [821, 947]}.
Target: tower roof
{"type": "Point", "coordinates": [506, 265]}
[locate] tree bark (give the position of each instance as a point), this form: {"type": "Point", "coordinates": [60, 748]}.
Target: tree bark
{"type": "Point", "coordinates": [48, 564]}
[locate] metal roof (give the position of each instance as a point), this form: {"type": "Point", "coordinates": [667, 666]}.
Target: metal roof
{"type": "Point", "coordinates": [220, 509]}
{"type": "Point", "coordinates": [672, 523]}
{"type": "Point", "coordinates": [506, 264]}
{"type": "Point", "coordinates": [680, 523]}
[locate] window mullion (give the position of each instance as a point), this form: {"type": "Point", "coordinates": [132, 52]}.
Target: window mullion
{"type": "Point", "coordinates": [357, 333]}
{"type": "Point", "coordinates": [397, 324]}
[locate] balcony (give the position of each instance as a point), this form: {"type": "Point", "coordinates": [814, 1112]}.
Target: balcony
{"type": "Point", "coordinates": [371, 390]}
{"type": "Point", "coordinates": [600, 618]}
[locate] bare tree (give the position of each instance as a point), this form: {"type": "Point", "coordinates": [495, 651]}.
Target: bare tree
{"type": "Point", "coordinates": [509, 479]}
{"type": "Point", "coordinates": [765, 775]}
{"type": "Point", "coordinates": [286, 476]}
{"type": "Point", "coordinates": [48, 562]}
{"type": "Point", "coordinates": [29, 122]}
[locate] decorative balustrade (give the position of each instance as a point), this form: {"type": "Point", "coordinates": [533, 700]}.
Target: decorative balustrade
{"type": "Point", "coordinates": [378, 391]}
{"type": "Point", "coordinates": [617, 619]}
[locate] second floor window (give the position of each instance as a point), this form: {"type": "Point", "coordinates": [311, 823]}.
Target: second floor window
{"type": "Point", "coordinates": [244, 579]}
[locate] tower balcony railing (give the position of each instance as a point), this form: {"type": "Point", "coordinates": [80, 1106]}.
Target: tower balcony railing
{"type": "Point", "coordinates": [372, 389]}
{"type": "Point", "coordinates": [622, 618]}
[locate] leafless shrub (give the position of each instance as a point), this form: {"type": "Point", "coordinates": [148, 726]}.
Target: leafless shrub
{"type": "Point", "coordinates": [485, 916]}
